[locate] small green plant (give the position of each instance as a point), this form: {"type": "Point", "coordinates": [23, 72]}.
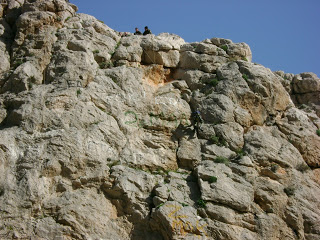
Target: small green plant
{"type": "Point", "coordinates": [289, 191]}
{"type": "Point", "coordinates": [95, 51]}
{"type": "Point", "coordinates": [184, 204]}
{"type": "Point", "coordinates": [244, 59]}
{"type": "Point", "coordinates": [224, 47]}
{"type": "Point", "coordinates": [58, 19]}
{"type": "Point", "coordinates": [115, 49]}
{"type": "Point", "coordinates": [103, 65]}
{"type": "Point", "coordinates": [221, 159]}
{"type": "Point", "coordinates": [118, 45]}
{"type": "Point", "coordinates": [274, 167]}
{"type": "Point", "coordinates": [213, 82]}
{"type": "Point", "coordinates": [78, 92]}
{"type": "Point", "coordinates": [318, 132]}
{"type": "Point", "coordinates": [110, 64]}
{"type": "Point", "coordinates": [115, 80]}
{"type": "Point", "coordinates": [215, 139]}
{"type": "Point", "coordinates": [245, 77]}
{"type": "Point", "coordinates": [218, 141]}
{"type": "Point", "coordinates": [240, 153]}
{"type": "Point", "coordinates": [201, 203]}
{"type": "Point", "coordinates": [160, 205]}
{"type": "Point", "coordinates": [101, 21]}
{"type": "Point", "coordinates": [68, 18]}
{"type": "Point", "coordinates": [213, 179]}
{"type": "Point", "coordinates": [30, 85]}
{"type": "Point", "coordinates": [19, 62]}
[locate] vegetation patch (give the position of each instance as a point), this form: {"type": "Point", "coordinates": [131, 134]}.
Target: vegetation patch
{"type": "Point", "coordinates": [224, 47]}
{"type": "Point", "coordinates": [184, 204]}
{"type": "Point", "coordinates": [213, 82]}
{"type": "Point", "coordinates": [245, 77]}
{"type": "Point", "coordinates": [220, 159]}
{"type": "Point", "coordinates": [19, 62]}
{"type": "Point", "coordinates": [160, 205]}
{"type": "Point", "coordinates": [240, 153]}
{"type": "Point", "coordinates": [318, 132]}
{"type": "Point", "coordinates": [217, 140]}
{"type": "Point", "coordinates": [201, 203]}
{"type": "Point", "coordinates": [213, 179]}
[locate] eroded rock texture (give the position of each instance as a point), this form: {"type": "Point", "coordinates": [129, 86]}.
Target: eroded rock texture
{"type": "Point", "coordinates": [98, 139]}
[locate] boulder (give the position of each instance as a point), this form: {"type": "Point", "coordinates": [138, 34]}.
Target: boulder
{"type": "Point", "coordinates": [217, 185]}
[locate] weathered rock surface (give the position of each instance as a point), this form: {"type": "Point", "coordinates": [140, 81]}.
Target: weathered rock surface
{"type": "Point", "coordinates": [99, 140]}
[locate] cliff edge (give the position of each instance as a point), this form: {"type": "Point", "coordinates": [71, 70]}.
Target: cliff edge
{"type": "Point", "coordinates": [106, 136]}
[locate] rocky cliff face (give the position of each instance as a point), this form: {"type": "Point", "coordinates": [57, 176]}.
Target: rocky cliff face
{"type": "Point", "coordinates": [98, 140]}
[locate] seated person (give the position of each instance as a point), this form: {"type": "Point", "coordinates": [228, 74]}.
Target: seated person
{"type": "Point", "coordinates": [146, 31]}
{"type": "Point", "coordinates": [137, 32]}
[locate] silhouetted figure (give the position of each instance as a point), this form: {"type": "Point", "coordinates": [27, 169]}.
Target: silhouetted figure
{"type": "Point", "coordinates": [146, 31]}
{"type": "Point", "coordinates": [197, 120]}
{"type": "Point", "coordinates": [137, 32]}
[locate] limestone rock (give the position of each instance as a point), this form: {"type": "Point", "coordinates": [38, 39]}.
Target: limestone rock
{"type": "Point", "coordinates": [189, 152]}
{"type": "Point", "coordinates": [100, 138]}
{"type": "Point", "coordinates": [162, 49]}
{"type": "Point", "coordinates": [306, 83]}
{"type": "Point", "coordinates": [5, 35]}
{"type": "Point", "coordinates": [232, 133]}
{"type": "Point", "coordinates": [217, 185]}
{"type": "Point", "coordinates": [272, 148]}
{"type": "Point", "coordinates": [23, 78]}
{"type": "Point", "coordinates": [178, 221]}
{"type": "Point", "coordinates": [302, 133]}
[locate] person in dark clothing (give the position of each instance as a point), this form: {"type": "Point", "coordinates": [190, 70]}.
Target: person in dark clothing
{"type": "Point", "coordinates": [137, 32]}
{"type": "Point", "coordinates": [146, 31]}
{"type": "Point", "coordinates": [197, 120]}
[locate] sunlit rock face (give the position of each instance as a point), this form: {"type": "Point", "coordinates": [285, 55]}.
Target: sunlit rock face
{"type": "Point", "coordinates": [107, 135]}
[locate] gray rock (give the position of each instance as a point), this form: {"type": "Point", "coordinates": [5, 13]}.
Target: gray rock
{"type": "Point", "coordinates": [189, 152]}
{"type": "Point", "coordinates": [272, 148]}
{"type": "Point", "coordinates": [232, 133]}
{"type": "Point", "coordinates": [306, 83]}
{"type": "Point", "coordinates": [224, 190]}
{"type": "Point", "coordinates": [23, 78]}
{"type": "Point", "coordinates": [97, 138]}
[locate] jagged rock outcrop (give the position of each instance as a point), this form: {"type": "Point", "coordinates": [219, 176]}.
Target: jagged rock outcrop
{"type": "Point", "coordinates": [99, 140]}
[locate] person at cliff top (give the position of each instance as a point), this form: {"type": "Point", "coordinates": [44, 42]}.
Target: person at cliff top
{"type": "Point", "coordinates": [137, 32]}
{"type": "Point", "coordinates": [146, 31]}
